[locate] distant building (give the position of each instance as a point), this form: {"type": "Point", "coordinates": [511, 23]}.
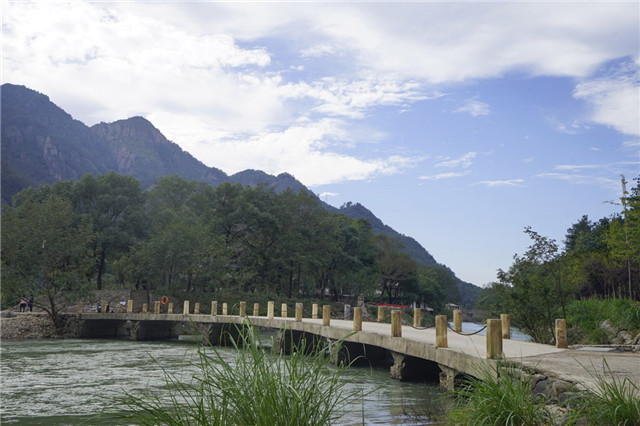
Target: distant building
{"type": "Point", "coordinates": [453, 306]}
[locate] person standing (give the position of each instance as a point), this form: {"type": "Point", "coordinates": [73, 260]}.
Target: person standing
{"type": "Point", "coordinates": [31, 303]}
{"type": "Point", "coordinates": [23, 304]}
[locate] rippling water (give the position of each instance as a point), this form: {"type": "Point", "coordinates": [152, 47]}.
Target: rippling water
{"type": "Point", "coordinates": [78, 381]}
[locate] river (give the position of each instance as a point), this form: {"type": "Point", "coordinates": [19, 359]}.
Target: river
{"type": "Point", "coordinates": [79, 381]}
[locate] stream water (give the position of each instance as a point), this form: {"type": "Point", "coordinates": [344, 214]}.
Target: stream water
{"type": "Point", "coordinates": [79, 381]}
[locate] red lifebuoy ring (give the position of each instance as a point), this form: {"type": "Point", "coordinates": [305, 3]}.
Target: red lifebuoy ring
{"type": "Point", "coordinates": [165, 299]}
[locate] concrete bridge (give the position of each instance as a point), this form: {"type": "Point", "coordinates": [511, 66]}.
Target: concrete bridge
{"type": "Point", "coordinates": [412, 353]}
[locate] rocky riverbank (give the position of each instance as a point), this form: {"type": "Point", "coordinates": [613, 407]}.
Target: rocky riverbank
{"type": "Point", "coordinates": [30, 325]}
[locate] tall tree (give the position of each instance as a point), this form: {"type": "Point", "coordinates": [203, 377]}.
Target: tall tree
{"type": "Point", "coordinates": [397, 269]}
{"type": "Point", "coordinates": [536, 288]}
{"type": "Point", "coordinates": [45, 246]}
{"type": "Point", "coordinates": [114, 205]}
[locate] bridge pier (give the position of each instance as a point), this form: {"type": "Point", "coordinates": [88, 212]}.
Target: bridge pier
{"type": "Point", "coordinates": [102, 329]}
{"type": "Point", "coordinates": [410, 368]}
{"type": "Point", "coordinates": [447, 378]}
{"type": "Point", "coordinates": [149, 330]}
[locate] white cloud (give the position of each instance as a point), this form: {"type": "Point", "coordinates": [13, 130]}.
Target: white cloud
{"type": "Point", "coordinates": [494, 183]}
{"type": "Point", "coordinates": [328, 194]}
{"type": "Point", "coordinates": [615, 99]}
{"type": "Point", "coordinates": [272, 85]}
{"type": "Point", "coordinates": [302, 150]}
{"type": "Point", "coordinates": [464, 161]}
{"type": "Point", "coordinates": [578, 179]}
{"type": "Point", "coordinates": [474, 107]}
{"type": "Point", "coordinates": [447, 175]}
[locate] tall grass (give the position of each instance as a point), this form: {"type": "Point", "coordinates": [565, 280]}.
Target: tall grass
{"type": "Point", "coordinates": [259, 388]}
{"type": "Point", "coordinates": [502, 399]}
{"type": "Point", "coordinates": [615, 402]}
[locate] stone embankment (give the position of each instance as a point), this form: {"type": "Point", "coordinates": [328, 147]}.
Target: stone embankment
{"type": "Point", "coordinates": [30, 325]}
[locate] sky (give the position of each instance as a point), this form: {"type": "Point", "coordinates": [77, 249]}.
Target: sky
{"type": "Point", "coordinates": [456, 123]}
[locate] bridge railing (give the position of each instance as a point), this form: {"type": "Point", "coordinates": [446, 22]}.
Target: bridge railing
{"type": "Point", "coordinates": [497, 329]}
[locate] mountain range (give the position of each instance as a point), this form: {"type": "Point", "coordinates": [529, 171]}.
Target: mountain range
{"type": "Point", "coordinates": [41, 144]}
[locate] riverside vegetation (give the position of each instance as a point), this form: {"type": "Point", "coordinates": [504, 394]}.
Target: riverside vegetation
{"type": "Point", "coordinates": [506, 399]}
{"type": "Point", "coordinates": [261, 387]}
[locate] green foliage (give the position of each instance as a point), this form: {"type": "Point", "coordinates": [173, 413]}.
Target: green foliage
{"type": "Point", "coordinates": [45, 250]}
{"type": "Point", "coordinates": [535, 290]}
{"type": "Point", "coordinates": [114, 205]}
{"type": "Point", "coordinates": [185, 237]}
{"type": "Point", "coordinates": [259, 388]}
{"type": "Point", "coordinates": [585, 318]}
{"type": "Point", "coordinates": [498, 399]}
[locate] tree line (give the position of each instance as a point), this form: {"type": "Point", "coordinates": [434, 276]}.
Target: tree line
{"type": "Point", "coordinates": [189, 237]}
{"type": "Point", "coordinates": [599, 259]}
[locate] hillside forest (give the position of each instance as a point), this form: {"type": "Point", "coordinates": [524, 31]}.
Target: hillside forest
{"type": "Point", "coordinates": [189, 238]}
{"type": "Point", "coordinates": [598, 261]}
{"type": "Point", "coordinates": [185, 237]}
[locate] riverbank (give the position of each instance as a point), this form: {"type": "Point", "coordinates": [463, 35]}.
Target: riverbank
{"type": "Point", "coordinates": [26, 325]}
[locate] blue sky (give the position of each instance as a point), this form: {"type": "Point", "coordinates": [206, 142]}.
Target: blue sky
{"type": "Point", "coordinates": [458, 124]}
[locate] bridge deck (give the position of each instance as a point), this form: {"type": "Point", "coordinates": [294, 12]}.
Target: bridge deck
{"type": "Point", "coordinates": [463, 353]}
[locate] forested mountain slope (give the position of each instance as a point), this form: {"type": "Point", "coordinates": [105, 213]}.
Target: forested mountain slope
{"type": "Point", "coordinates": [41, 144]}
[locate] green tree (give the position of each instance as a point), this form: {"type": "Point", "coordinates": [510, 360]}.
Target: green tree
{"type": "Point", "coordinates": [398, 271]}
{"type": "Point", "coordinates": [45, 250]}
{"type": "Point", "coordinates": [114, 205]}
{"type": "Point", "coordinates": [535, 288]}
{"type": "Point", "coordinates": [624, 239]}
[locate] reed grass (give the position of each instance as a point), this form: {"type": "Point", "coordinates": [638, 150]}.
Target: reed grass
{"type": "Point", "coordinates": [502, 399]}
{"type": "Point", "coordinates": [259, 387]}
{"type": "Point", "coordinates": [614, 402]}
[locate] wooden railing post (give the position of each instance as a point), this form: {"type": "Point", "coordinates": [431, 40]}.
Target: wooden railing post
{"type": "Point", "coordinates": [357, 318]}
{"type": "Point", "coordinates": [156, 307]}
{"type": "Point", "coordinates": [256, 309]}
{"type": "Point", "coordinates": [214, 307]}
{"type": "Point", "coordinates": [170, 308]}
{"type": "Point", "coordinates": [380, 313]}
{"type": "Point", "coordinates": [225, 309]}
{"type": "Point", "coordinates": [120, 308]}
{"type": "Point", "coordinates": [326, 314]}
{"type": "Point", "coordinates": [196, 308]}
{"type": "Point", "coordinates": [506, 326]}
{"type": "Point", "coordinates": [185, 308]}
{"type": "Point", "coordinates": [457, 320]}
{"type": "Point", "coordinates": [561, 334]}
{"type": "Point", "coordinates": [417, 317]}
{"type": "Point", "coordinates": [129, 306]}
{"type": "Point", "coordinates": [79, 307]}
{"type": "Point", "coordinates": [243, 309]}
{"type": "Point", "coordinates": [270, 309]}
{"type": "Point", "coordinates": [396, 323]}
{"type": "Point", "coordinates": [283, 310]}
{"type": "Point", "coordinates": [104, 307]}
{"type": "Point", "coordinates": [145, 308]}
{"type": "Point", "coordinates": [314, 311]}
{"type": "Point", "coordinates": [441, 332]}
{"type": "Point", "coordinates": [494, 338]}
{"type": "Point", "coordinates": [298, 312]}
